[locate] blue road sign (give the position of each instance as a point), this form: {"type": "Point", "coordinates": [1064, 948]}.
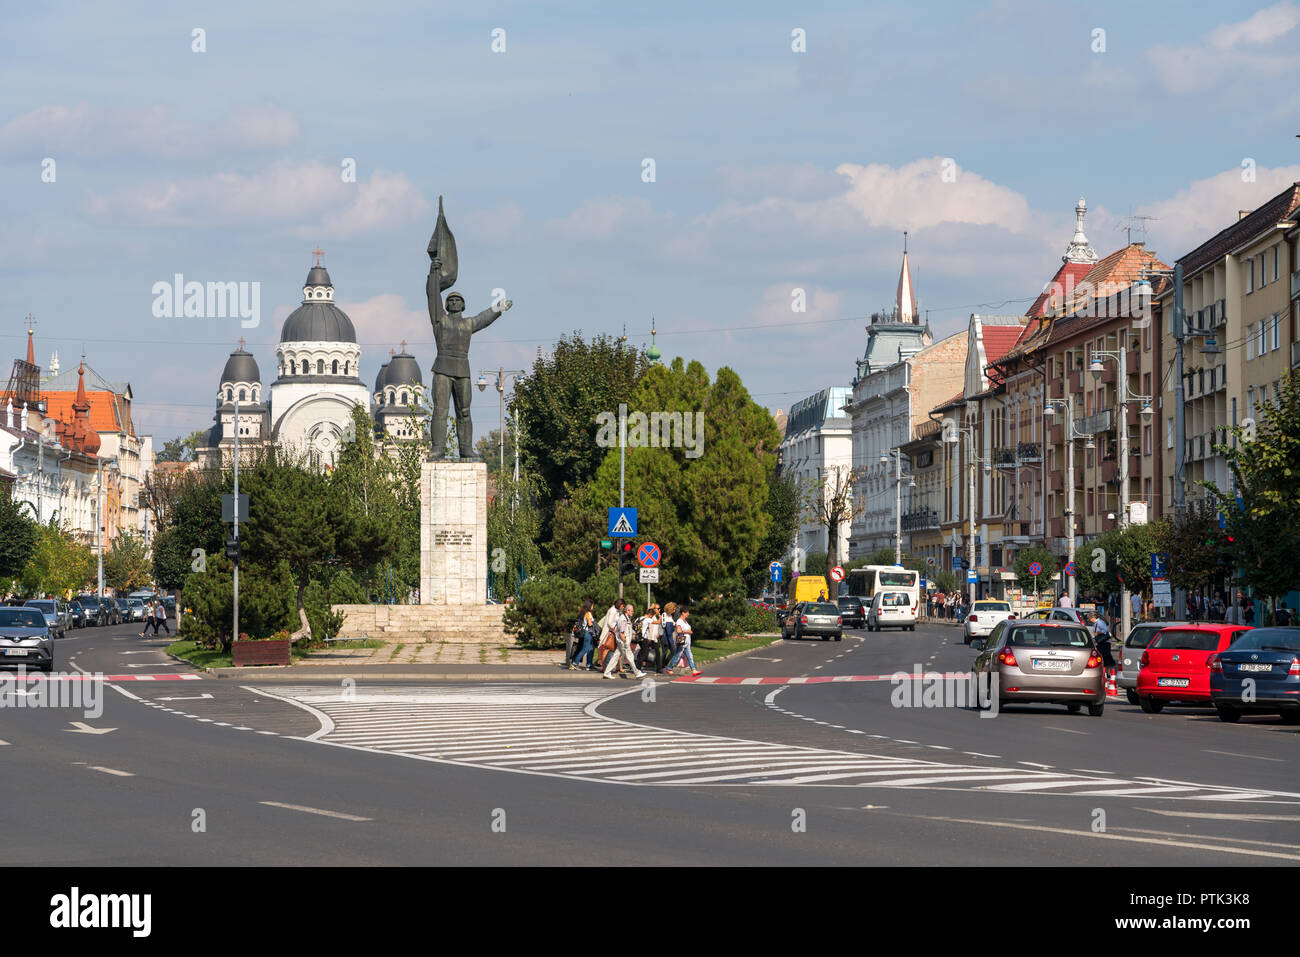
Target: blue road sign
{"type": "Point", "coordinates": [1035, 569]}
{"type": "Point", "coordinates": [923, 585]}
{"type": "Point", "coordinates": [971, 577]}
{"type": "Point", "coordinates": [1069, 569]}
{"type": "Point", "coordinates": [1159, 564]}
{"type": "Point", "coordinates": [622, 523]}
{"type": "Point", "coordinates": [958, 562]}
{"type": "Point", "coordinates": [775, 569]}
{"type": "Point", "coordinates": [648, 555]}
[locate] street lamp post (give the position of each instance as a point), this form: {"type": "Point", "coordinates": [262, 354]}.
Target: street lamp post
{"type": "Point", "coordinates": [897, 456]}
{"type": "Point", "coordinates": [1121, 401]}
{"type": "Point", "coordinates": [972, 458]}
{"type": "Point", "coordinates": [1049, 410]}
{"type": "Point", "coordinates": [501, 397]}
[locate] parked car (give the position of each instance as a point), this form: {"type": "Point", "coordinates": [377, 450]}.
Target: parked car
{"type": "Point", "coordinates": [1270, 658]}
{"type": "Point", "coordinates": [26, 639]}
{"type": "Point", "coordinates": [812, 619]}
{"type": "Point", "coordinates": [55, 617]}
{"type": "Point", "coordinates": [137, 609]}
{"type": "Point", "coordinates": [983, 618]}
{"type": "Point", "coordinates": [1176, 665]}
{"type": "Point", "coordinates": [1130, 659]}
{"type": "Point", "coordinates": [890, 609]}
{"type": "Point", "coordinates": [76, 614]}
{"type": "Point", "coordinates": [97, 610]}
{"type": "Point", "coordinates": [1043, 661]}
{"type": "Point", "coordinates": [852, 611]}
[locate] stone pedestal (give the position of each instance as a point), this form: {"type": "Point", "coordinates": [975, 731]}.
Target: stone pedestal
{"type": "Point", "coordinates": [453, 533]}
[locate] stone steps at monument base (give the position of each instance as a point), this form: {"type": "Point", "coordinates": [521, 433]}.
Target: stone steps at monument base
{"type": "Point", "coordinates": [425, 623]}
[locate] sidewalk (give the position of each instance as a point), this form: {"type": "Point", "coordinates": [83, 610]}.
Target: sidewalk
{"type": "Point", "coordinates": [433, 653]}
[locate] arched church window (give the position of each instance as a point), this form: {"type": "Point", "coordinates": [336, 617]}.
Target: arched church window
{"type": "Point", "coordinates": [230, 395]}
{"type": "Point", "coordinates": [403, 398]}
{"type": "Point", "coordinates": [254, 395]}
{"type": "Point", "coordinates": [345, 368]}
{"type": "Point", "coordinates": [241, 395]}
{"type": "Point", "coordinates": [320, 366]}
{"type": "Point", "coordinates": [304, 366]}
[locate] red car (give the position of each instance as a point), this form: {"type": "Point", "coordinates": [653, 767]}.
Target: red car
{"type": "Point", "coordinates": [1176, 665]}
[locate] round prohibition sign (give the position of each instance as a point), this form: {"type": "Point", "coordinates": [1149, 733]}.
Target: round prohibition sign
{"type": "Point", "coordinates": [648, 555]}
{"type": "Point", "coordinates": [1035, 568]}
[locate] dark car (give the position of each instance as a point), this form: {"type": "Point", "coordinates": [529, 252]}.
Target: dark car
{"type": "Point", "coordinates": [76, 614]}
{"type": "Point", "coordinates": [814, 619]}
{"type": "Point", "coordinates": [852, 611]}
{"type": "Point", "coordinates": [97, 612]}
{"type": "Point", "coordinates": [26, 639]}
{"type": "Point", "coordinates": [1270, 659]}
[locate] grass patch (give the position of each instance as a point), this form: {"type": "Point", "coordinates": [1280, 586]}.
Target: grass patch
{"type": "Point", "coordinates": [706, 651]}
{"type": "Point", "coordinates": [354, 643]}
{"type": "Point", "coordinates": [208, 658]}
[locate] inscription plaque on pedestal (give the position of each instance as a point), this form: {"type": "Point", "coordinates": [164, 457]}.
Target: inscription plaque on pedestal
{"type": "Point", "coordinates": [453, 533]}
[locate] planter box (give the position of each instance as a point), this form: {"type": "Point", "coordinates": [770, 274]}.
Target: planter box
{"type": "Point", "coordinates": [245, 653]}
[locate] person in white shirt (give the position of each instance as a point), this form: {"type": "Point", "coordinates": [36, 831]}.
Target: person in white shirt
{"type": "Point", "coordinates": [1135, 602]}
{"type": "Point", "coordinates": [1065, 601]}
{"type": "Point", "coordinates": [623, 644]}
{"type": "Point", "coordinates": [683, 635]}
{"type": "Point", "coordinates": [608, 625]}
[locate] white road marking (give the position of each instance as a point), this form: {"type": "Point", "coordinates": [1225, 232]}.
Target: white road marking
{"type": "Point", "coordinates": [1238, 754]}
{"type": "Point", "coordinates": [558, 732]}
{"type": "Point", "coordinates": [80, 727]}
{"type": "Point", "coordinates": [1052, 727]}
{"type": "Point", "coordinates": [315, 810]}
{"type": "Point", "coordinates": [113, 771]}
{"type": "Point", "coordinates": [202, 697]}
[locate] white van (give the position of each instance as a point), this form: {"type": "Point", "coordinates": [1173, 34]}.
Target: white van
{"type": "Point", "coordinates": [892, 609]}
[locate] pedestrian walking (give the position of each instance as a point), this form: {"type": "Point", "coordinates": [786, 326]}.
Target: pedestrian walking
{"type": "Point", "coordinates": [648, 648]}
{"type": "Point", "coordinates": [939, 601]}
{"type": "Point", "coordinates": [623, 644]}
{"type": "Point", "coordinates": [683, 635]}
{"type": "Point", "coordinates": [148, 620]}
{"type": "Point", "coordinates": [1248, 611]}
{"type": "Point", "coordinates": [584, 637]}
{"type": "Point", "coordinates": [667, 638]}
{"type": "Point", "coordinates": [608, 625]}
{"type": "Point", "coordinates": [1135, 602]}
{"type": "Point", "coordinates": [160, 618]}
{"type": "Point", "coordinates": [1101, 635]}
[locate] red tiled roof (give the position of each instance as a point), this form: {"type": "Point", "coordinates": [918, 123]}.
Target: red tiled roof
{"type": "Point", "coordinates": [103, 409]}
{"type": "Point", "coordinates": [998, 340]}
{"type": "Point", "coordinates": [1063, 283]}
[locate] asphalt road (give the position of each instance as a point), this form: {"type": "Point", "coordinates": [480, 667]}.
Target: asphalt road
{"type": "Point", "coordinates": [204, 771]}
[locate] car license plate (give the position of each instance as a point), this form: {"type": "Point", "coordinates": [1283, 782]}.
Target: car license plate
{"type": "Point", "coordinates": [1051, 664]}
{"type": "Point", "coordinates": [1254, 667]}
{"type": "Point", "coordinates": [15, 652]}
{"type": "Point", "coordinates": [1173, 682]}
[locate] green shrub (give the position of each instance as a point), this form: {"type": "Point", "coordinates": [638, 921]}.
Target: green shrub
{"type": "Point", "coordinates": [546, 609]}
{"type": "Point", "coordinates": [712, 618]}
{"type": "Point", "coordinates": [755, 621]}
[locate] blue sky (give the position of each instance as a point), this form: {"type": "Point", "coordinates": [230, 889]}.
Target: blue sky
{"type": "Point", "coordinates": [775, 170]}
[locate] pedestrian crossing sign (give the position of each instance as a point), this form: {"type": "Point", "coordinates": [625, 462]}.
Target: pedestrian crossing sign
{"type": "Point", "coordinates": [622, 522]}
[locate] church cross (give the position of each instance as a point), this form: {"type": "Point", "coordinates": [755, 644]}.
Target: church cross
{"type": "Point", "coordinates": [318, 252]}
{"type": "Point", "coordinates": [403, 345]}
{"type": "Point", "coordinates": [241, 343]}
{"type": "Point", "coordinates": [31, 321]}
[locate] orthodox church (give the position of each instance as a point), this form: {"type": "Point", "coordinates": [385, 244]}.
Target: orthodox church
{"type": "Point", "coordinates": [308, 407]}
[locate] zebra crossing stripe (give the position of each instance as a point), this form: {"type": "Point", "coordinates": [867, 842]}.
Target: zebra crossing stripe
{"type": "Point", "coordinates": [560, 732]}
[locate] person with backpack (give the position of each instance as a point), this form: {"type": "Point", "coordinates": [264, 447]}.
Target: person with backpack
{"type": "Point", "coordinates": [683, 635]}
{"type": "Point", "coordinates": [584, 637]}
{"type": "Point", "coordinates": [623, 644]}
{"type": "Point", "coordinates": [608, 625]}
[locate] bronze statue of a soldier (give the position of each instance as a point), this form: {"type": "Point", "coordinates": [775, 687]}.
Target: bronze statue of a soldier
{"type": "Point", "coordinates": [452, 331]}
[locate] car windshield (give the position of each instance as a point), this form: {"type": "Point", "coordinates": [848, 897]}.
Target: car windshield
{"type": "Point", "coordinates": [47, 606]}
{"type": "Point", "coordinates": [850, 602]}
{"type": "Point", "coordinates": [992, 606]}
{"type": "Point", "coordinates": [21, 618]}
{"type": "Point", "coordinates": [1186, 639]}
{"type": "Point", "coordinates": [1047, 636]}
{"type": "Point", "coordinates": [1141, 635]}
{"type": "Point", "coordinates": [1269, 639]}
{"type": "Point", "coordinates": [821, 608]}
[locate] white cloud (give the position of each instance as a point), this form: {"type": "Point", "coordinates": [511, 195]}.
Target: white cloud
{"type": "Point", "coordinates": [1196, 213]}
{"type": "Point", "coordinates": [601, 219]}
{"type": "Point", "coordinates": [916, 196]}
{"type": "Point", "coordinates": [152, 130]}
{"type": "Point", "coordinates": [383, 321]}
{"type": "Point", "coordinates": [1229, 52]}
{"type": "Point", "coordinates": [307, 199]}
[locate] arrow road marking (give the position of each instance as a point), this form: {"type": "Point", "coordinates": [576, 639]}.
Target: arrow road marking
{"type": "Point", "coordinates": [80, 727]}
{"type": "Point", "coordinates": [199, 698]}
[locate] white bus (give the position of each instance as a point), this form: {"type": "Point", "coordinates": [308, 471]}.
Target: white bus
{"type": "Point", "coordinates": [866, 581]}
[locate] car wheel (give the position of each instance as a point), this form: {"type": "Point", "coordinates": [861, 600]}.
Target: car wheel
{"type": "Point", "coordinates": [826, 637]}
{"type": "Point", "coordinates": [1228, 714]}
{"type": "Point", "coordinates": [1131, 695]}
{"type": "Point", "coordinates": [839, 637]}
{"type": "Point", "coordinates": [46, 669]}
{"type": "Point", "coordinates": [1150, 705]}
{"type": "Point", "coordinates": [1074, 707]}
{"type": "Point", "coordinates": [1290, 717]}
{"type": "Point", "coordinates": [911, 627]}
{"type": "Point", "coordinates": [1095, 710]}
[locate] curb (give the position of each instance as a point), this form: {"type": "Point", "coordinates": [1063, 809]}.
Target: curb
{"type": "Point", "coordinates": [280, 675]}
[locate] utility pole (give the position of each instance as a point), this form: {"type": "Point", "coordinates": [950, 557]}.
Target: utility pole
{"type": "Point", "coordinates": [1122, 425]}
{"type": "Point", "coordinates": [622, 462]}
{"type": "Point", "coordinates": [898, 506]}
{"type": "Point", "coordinates": [1180, 423]}
{"type": "Point", "coordinates": [237, 556]}
{"type": "Point", "coordinates": [1069, 480]}
{"type": "Point", "coordinates": [970, 539]}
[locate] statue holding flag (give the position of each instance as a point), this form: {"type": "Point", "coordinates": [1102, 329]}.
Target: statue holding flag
{"type": "Point", "coordinates": [451, 332]}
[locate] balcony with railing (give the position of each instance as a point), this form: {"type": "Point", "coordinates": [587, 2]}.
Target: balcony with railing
{"type": "Point", "coordinates": [1029, 452]}
{"type": "Point", "coordinates": [919, 518]}
{"type": "Point", "coordinates": [1004, 457]}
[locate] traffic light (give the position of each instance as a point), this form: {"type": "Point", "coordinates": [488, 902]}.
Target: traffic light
{"type": "Point", "coordinates": [232, 549]}
{"type": "Point", "coordinates": [626, 557]}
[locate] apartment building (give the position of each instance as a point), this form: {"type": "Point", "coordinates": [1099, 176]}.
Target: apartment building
{"type": "Point", "coordinates": [1238, 299]}
{"type": "Point", "coordinates": [817, 451]}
